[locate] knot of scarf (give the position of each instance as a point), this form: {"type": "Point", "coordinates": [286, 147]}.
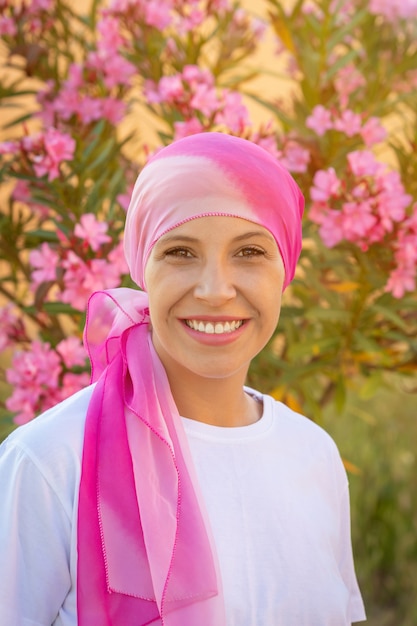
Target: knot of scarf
{"type": "Point", "coordinates": [145, 552]}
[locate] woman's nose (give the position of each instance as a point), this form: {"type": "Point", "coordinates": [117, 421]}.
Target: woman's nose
{"type": "Point", "coordinates": [215, 284]}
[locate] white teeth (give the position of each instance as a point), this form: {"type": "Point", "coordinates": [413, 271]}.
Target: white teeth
{"type": "Point", "coordinates": [218, 328]}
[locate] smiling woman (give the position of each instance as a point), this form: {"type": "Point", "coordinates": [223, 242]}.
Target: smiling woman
{"type": "Point", "coordinates": [168, 492]}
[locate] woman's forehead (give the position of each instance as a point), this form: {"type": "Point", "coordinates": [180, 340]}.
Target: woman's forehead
{"type": "Point", "coordinates": [228, 226]}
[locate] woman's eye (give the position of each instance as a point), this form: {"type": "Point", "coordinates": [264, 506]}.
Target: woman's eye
{"type": "Point", "coordinates": [179, 253]}
{"type": "Point", "coordinates": [250, 251]}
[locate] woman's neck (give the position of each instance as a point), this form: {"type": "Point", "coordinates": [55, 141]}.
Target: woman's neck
{"type": "Point", "coordinates": [216, 401]}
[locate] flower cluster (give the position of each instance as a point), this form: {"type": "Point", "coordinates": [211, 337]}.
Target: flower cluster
{"type": "Point", "coordinates": [365, 207]}
{"type": "Point", "coordinates": [73, 267]}
{"type": "Point", "coordinates": [194, 95]}
{"type": "Point", "coordinates": [403, 277]}
{"type": "Point", "coordinates": [43, 153]}
{"type": "Point", "coordinates": [348, 122]}
{"type": "Point", "coordinates": [394, 9]}
{"type": "Point", "coordinates": [41, 377]}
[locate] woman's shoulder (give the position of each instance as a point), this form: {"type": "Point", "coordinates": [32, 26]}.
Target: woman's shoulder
{"type": "Point", "coordinates": [293, 425]}
{"type": "Point", "coordinates": [51, 443]}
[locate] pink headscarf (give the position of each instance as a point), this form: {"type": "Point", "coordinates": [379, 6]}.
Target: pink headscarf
{"type": "Point", "coordinates": [145, 551]}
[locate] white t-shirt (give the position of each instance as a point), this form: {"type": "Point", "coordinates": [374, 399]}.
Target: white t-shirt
{"type": "Point", "coordinates": [277, 498]}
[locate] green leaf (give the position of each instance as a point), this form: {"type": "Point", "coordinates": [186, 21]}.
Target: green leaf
{"type": "Point", "coordinates": [41, 235]}
{"type": "Point", "coordinates": [333, 315]}
{"type": "Point", "coordinates": [340, 394]}
{"type": "Point", "coordinates": [105, 150]}
{"type": "Point", "coordinates": [342, 32]}
{"type": "Point", "coordinates": [371, 386]}
{"type": "Point", "coordinates": [54, 308]}
{"type": "Point", "coordinates": [341, 62]}
{"type": "Point", "coordinates": [391, 315]}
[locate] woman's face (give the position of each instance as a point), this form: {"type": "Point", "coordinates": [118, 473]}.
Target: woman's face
{"type": "Point", "coordinates": [214, 286]}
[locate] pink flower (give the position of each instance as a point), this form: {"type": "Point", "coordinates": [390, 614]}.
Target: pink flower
{"type": "Point", "coordinates": [7, 26]}
{"type": "Point", "coordinates": [92, 231]}
{"type": "Point", "coordinates": [59, 146]}
{"type": "Point", "coordinates": [234, 114]}
{"type": "Point", "coordinates": [124, 198]}
{"type": "Point", "coordinates": [38, 366]}
{"type": "Point", "coordinates": [115, 68]}
{"type": "Point", "coordinates": [392, 199]}
{"type": "Point", "coordinates": [9, 147]}
{"type": "Point", "coordinates": [190, 22]}
{"type": "Point", "coordinates": [331, 228]}
{"type": "Point", "coordinates": [204, 99]}
{"type": "Point", "coordinates": [117, 71]}
{"type": "Point", "coordinates": [406, 253]}
{"type": "Point", "coordinates": [192, 74]}
{"type": "Point", "coordinates": [81, 279]}
{"type": "Point", "coordinates": [34, 375]}
{"type": "Point", "coordinates": [89, 109]}
{"type": "Point", "coordinates": [158, 14]}
{"type": "Point", "coordinates": [75, 78]}
{"type": "Point", "coordinates": [220, 6]}
{"type": "Point", "coordinates": [269, 144]}
{"type": "Point", "coordinates": [400, 281]}
{"type": "Point", "coordinates": [186, 128]}
{"type": "Point", "coordinates": [320, 120]}
{"type": "Point", "coordinates": [363, 163]}
{"type": "Point", "coordinates": [56, 147]}
{"type": "Point", "coordinates": [358, 220]}
{"type": "Point", "coordinates": [74, 292]}
{"type": "Point", "coordinates": [45, 261]}
{"type": "Point", "coordinates": [71, 383]}
{"type": "Point", "coordinates": [23, 402]}
{"type": "Point", "coordinates": [349, 123]}
{"type": "Point", "coordinates": [72, 352]}
{"type": "Point", "coordinates": [347, 81]}
{"type": "Point", "coordinates": [117, 261]}
{"type": "Point", "coordinates": [309, 8]}
{"type": "Point", "coordinates": [33, 143]}
{"type": "Point", "coordinates": [67, 103]}
{"type": "Point", "coordinates": [109, 29]}
{"type": "Point", "coordinates": [325, 185]}
{"type": "Point", "coordinates": [8, 323]}
{"type": "Point", "coordinates": [113, 110]}
{"type": "Point", "coordinates": [403, 277]}
{"type": "Point", "coordinates": [101, 275]}
{"type": "Point", "coordinates": [295, 157]}
{"type": "Point", "coordinates": [170, 88]}
{"type": "Point", "coordinates": [373, 132]}
{"type": "Point", "coordinates": [392, 10]}
{"type": "Point", "coordinates": [151, 92]}
{"type": "Point", "coordinates": [40, 5]}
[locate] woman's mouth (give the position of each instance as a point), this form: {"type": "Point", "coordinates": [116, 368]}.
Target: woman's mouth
{"type": "Point", "coordinates": [214, 328]}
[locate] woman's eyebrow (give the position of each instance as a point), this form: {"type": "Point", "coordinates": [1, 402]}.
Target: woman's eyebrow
{"type": "Point", "coordinates": [176, 238]}
{"type": "Point", "coordinates": [254, 233]}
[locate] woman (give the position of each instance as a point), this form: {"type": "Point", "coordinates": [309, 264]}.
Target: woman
{"type": "Point", "coordinates": [167, 492]}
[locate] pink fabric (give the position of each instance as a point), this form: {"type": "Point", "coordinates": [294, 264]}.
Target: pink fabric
{"type": "Point", "coordinates": [145, 551]}
{"type": "Point", "coordinates": [145, 555]}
